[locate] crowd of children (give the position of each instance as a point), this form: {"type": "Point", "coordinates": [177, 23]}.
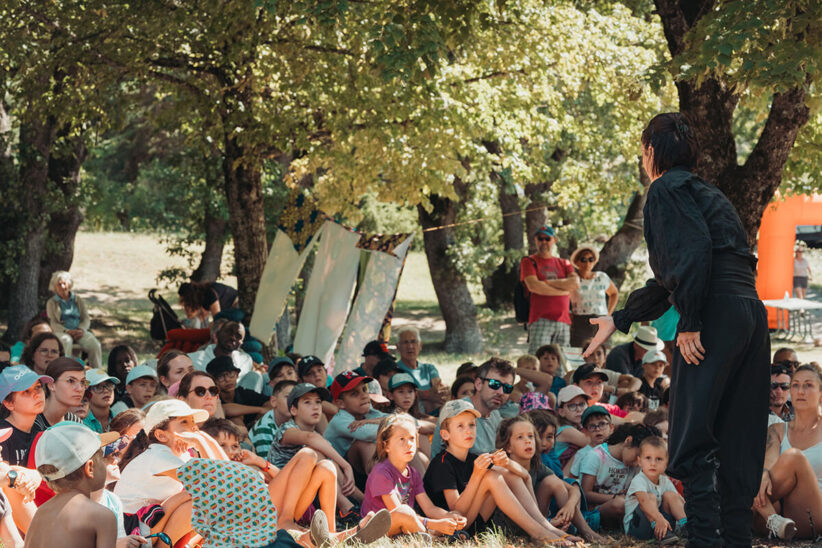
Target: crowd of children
{"type": "Point", "coordinates": [170, 453]}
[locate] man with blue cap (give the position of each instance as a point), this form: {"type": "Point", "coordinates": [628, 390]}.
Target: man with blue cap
{"type": "Point", "coordinates": [550, 281]}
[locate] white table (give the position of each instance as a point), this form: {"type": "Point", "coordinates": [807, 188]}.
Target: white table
{"type": "Point", "coordinates": [793, 317]}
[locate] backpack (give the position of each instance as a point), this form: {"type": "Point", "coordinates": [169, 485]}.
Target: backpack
{"type": "Point", "coordinates": [164, 319]}
{"type": "Point", "coordinates": [522, 299]}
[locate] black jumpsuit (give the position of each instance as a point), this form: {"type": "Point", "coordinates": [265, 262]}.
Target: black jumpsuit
{"type": "Point", "coordinates": [699, 254]}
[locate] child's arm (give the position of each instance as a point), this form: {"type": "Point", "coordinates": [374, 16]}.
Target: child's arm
{"type": "Point", "coordinates": [461, 502]}
{"type": "Point", "coordinates": [433, 511]}
{"type": "Point", "coordinates": [237, 409]}
{"type": "Point", "coordinates": [592, 496]}
{"type": "Point", "coordinates": [426, 428]}
{"type": "Point", "coordinates": [329, 409]}
{"type": "Point", "coordinates": [360, 423]}
{"type": "Point", "coordinates": [501, 459]}
{"type": "Point", "coordinates": [542, 381]}
{"type": "Point", "coordinates": [573, 436]}
{"type": "Point", "coordinates": [445, 525]}
{"type": "Point", "coordinates": [566, 513]}
{"type": "Point", "coordinates": [647, 503]}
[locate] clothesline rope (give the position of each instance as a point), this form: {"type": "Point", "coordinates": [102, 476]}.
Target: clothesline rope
{"type": "Point", "coordinates": [481, 219]}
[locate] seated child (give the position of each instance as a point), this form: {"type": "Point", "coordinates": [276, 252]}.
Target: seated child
{"type": "Point", "coordinates": [528, 363]}
{"type": "Point", "coordinates": [402, 391]}
{"type": "Point", "coordinates": [518, 437]}
{"type": "Point", "coordinates": [653, 508]}
{"type": "Point", "coordinates": [262, 432]}
{"type": "Point", "coordinates": [352, 432]}
{"type": "Point", "coordinates": [281, 368]}
{"type": "Point", "coordinates": [476, 485]}
{"type": "Point", "coordinates": [384, 370]}
{"type": "Point", "coordinates": [101, 391]}
{"type": "Point", "coordinates": [606, 472]}
{"type": "Point", "coordinates": [658, 418]}
{"type": "Point", "coordinates": [23, 397]}
{"type": "Point", "coordinates": [141, 385]}
{"type": "Point", "coordinates": [312, 370]}
{"type": "Point", "coordinates": [552, 361]}
{"type": "Point", "coordinates": [632, 402]}
{"type": "Point", "coordinates": [68, 456]}
{"type": "Point", "coordinates": [597, 425]}
{"type": "Point", "coordinates": [462, 388]}
{"type": "Point", "coordinates": [571, 403]}
{"type": "Point", "coordinates": [305, 409]}
{"type": "Point", "coordinates": [396, 486]}
{"type": "Point", "coordinates": [547, 425]}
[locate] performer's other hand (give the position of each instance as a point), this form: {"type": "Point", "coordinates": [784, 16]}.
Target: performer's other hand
{"type": "Point", "coordinates": [690, 347]}
{"type": "Point", "coordinates": [605, 329]}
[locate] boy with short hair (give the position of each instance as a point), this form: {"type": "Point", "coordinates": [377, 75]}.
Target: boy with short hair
{"type": "Point", "coordinates": [226, 434]}
{"type": "Point", "coordinates": [141, 385]}
{"type": "Point", "coordinates": [68, 456]}
{"type": "Point", "coordinates": [352, 432]}
{"type": "Point", "coordinates": [653, 508]}
{"type": "Point", "coordinates": [384, 370]}
{"type": "Point", "coordinates": [597, 425]}
{"type": "Point", "coordinates": [262, 432]}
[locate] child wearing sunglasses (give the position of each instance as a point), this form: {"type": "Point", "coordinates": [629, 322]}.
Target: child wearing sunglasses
{"type": "Point", "coordinates": [493, 387]}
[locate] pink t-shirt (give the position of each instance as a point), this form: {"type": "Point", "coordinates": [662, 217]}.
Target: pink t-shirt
{"type": "Point", "coordinates": [384, 479]}
{"type": "Point", "coordinates": [542, 306]}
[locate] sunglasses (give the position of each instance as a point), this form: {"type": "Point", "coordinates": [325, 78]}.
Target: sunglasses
{"type": "Point", "coordinates": [116, 446]}
{"type": "Point", "coordinates": [200, 391]}
{"type": "Point", "coordinates": [103, 387]}
{"type": "Point", "coordinates": [543, 238]}
{"type": "Point", "coordinates": [494, 384]}
{"type": "Point", "coordinates": [586, 260]}
{"type": "Point", "coordinates": [780, 385]}
{"type": "Point", "coordinates": [162, 536]}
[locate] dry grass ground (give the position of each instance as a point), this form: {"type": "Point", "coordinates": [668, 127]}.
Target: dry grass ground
{"type": "Point", "coordinates": [115, 271]}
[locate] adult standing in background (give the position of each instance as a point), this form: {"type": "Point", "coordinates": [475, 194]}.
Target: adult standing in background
{"type": "Point", "coordinates": [69, 319]}
{"type": "Point", "coordinates": [597, 295]}
{"type": "Point", "coordinates": [550, 281]}
{"type": "Point", "coordinates": [801, 273]}
{"type": "Point", "coordinates": [699, 253]}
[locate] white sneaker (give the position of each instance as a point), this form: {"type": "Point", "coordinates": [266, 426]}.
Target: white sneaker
{"type": "Point", "coordinates": [781, 527]}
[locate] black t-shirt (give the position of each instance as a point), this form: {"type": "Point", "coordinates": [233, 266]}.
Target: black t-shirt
{"type": "Point", "coordinates": [652, 391]}
{"type": "Point", "coordinates": [41, 423]}
{"type": "Point", "coordinates": [538, 473]}
{"type": "Point", "coordinates": [15, 450]}
{"type": "Point", "coordinates": [246, 396]}
{"type": "Point", "coordinates": [622, 359]}
{"type": "Point", "coordinates": [447, 472]}
{"type": "Point", "coordinates": [224, 293]}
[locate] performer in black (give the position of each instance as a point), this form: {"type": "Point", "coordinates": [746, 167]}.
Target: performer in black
{"type": "Point", "coordinates": [702, 265]}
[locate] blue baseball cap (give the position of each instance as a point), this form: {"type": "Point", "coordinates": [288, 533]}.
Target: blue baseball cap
{"type": "Point", "coordinates": [400, 379]}
{"type": "Point", "coordinates": [18, 378]}
{"type": "Point", "coordinates": [98, 376]}
{"type": "Point", "coordinates": [139, 372]}
{"type": "Point", "coordinates": [545, 230]}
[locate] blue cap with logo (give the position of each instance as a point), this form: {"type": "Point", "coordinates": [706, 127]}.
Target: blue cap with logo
{"type": "Point", "coordinates": [18, 378]}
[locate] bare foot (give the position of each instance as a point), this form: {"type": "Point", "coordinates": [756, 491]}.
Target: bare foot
{"type": "Point", "coordinates": [591, 536]}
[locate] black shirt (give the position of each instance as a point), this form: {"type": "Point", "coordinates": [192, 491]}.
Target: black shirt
{"type": "Point", "coordinates": [246, 396]}
{"type": "Point", "coordinates": [623, 359]}
{"type": "Point", "coordinates": [224, 293]}
{"type": "Point", "coordinates": [447, 472]}
{"type": "Point", "coordinates": [654, 391]}
{"type": "Point", "coordinates": [15, 450]}
{"type": "Point", "coordinates": [686, 221]}
{"type": "Point", "coordinates": [41, 423]}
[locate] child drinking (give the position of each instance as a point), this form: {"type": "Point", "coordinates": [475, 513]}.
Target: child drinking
{"type": "Point", "coordinates": [653, 508]}
{"type": "Point", "coordinates": [475, 485]}
{"type": "Point", "coordinates": [395, 485]}
{"type": "Point", "coordinates": [518, 437]}
{"type": "Point", "coordinates": [606, 472]}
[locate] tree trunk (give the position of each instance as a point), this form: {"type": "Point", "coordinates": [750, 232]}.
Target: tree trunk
{"type": "Point", "coordinates": [8, 180]}
{"type": "Point", "coordinates": [243, 189]}
{"type": "Point", "coordinates": [710, 108]}
{"type": "Point", "coordinates": [536, 213]}
{"type": "Point", "coordinates": [617, 251]}
{"type": "Point", "coordinates": [499, 286]}
{"type": "Point", "coordinates": [36, 141]}
{"type": "Point", "coordinates": [64, 221]}
{"type": "Point", "coordinates": [212, 257]}
{"type": "Point", "coordinates": [462, 333]}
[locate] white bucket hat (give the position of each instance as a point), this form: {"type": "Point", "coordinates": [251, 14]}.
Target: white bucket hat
{"type": "Point", "coordinates": [647, 338]}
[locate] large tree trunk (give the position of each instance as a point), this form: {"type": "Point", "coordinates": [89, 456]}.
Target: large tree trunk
{"type": "Point", "coordinates": [212, 257]}
{"type": "Point", "coordinates": [61, 231]}
{"type": "Point", "coordinates": [710, 108]}
{"type": "Point", "coordinates": [8, 179]}
{"type": "Point", "coordinates": [617, 251]}
{"type": "Point", "coordinates": [462, 333]}
{"type": "Point", "coordinates": [243, 189]}
{"type": "Point", "coordinates": [536, 212]}
{"type": "Point", "coordinates": [36, 141]}
{"type": "Point", "coordinates": [499, 286]}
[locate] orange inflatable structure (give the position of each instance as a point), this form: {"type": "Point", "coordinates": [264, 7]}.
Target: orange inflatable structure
{"type": "Point", "coordinates": [777, 237]}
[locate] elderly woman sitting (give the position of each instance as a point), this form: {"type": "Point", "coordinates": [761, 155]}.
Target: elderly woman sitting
{"type": "Point", "coordinates": [69, 318]}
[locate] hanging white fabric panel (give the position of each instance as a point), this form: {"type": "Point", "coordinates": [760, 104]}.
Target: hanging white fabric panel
{"type": "Point", "coordinates": [280, 273]}
{"type": "Point", "coordinates": [328, 294]}
{"type": "Point", "coordinates": [371, 304]}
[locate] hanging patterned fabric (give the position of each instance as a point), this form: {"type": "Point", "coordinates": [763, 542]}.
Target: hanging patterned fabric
{"type": "Point", "coordinates": [299, 226]}
{"type": "Point", "coordinates": [328, 295]}
{"type": "Point", "coordinates": [374, 297]}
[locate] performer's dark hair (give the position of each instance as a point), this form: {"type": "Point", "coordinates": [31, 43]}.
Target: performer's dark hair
{"type": "Point", "coordinates": [672, 140]}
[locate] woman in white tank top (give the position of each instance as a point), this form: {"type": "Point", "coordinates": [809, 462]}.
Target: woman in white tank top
{"type": "Point", "coordinates": [790, 496]}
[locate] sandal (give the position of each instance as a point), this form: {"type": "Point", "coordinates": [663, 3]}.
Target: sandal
{"type": "Point", "coordinates": [376, 528]}
{"type": "Point", "coordinates": [318, 530]}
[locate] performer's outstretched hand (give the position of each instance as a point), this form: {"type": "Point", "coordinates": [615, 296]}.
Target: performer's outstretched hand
{"type": "Point", "coordinates": [605, 329]}
{"type": "Point", "coordinates": [690, 347]}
